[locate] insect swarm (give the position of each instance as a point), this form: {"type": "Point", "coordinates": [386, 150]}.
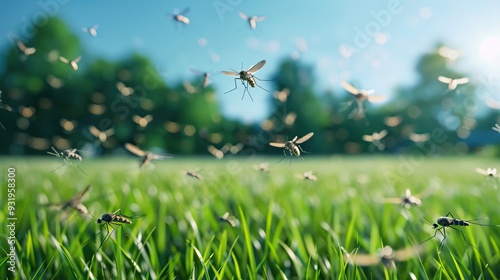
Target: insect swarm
{"type": "Point", "coordinates": [292, 147]}
{"type": "Point", "coordinates": [246, 76]}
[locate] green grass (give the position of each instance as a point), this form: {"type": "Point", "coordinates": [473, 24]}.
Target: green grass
{"type": "Point", "coordinates": [289, 228]}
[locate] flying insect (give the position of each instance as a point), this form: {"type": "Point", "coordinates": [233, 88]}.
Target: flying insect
{"type": "Point", "coordinates": [146, 156]}
{"type": "Point", "coordinates": [246, 76]}
{"type": "Point", "coordinates": [292, 147]}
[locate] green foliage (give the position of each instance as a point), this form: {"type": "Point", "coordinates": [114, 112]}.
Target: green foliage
{"type": "Point", "coordinates": [289, 227]}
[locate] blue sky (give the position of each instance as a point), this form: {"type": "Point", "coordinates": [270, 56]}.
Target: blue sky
{"type": "Point", "coordinates": [406, 29]}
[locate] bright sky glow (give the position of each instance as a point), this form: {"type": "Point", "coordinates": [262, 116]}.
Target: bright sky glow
{"type": "Point", "coordinates": [372, 43]}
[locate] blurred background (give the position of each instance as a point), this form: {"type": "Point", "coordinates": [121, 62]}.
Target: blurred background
{"type": "Point", "coordinates": [95, 75]}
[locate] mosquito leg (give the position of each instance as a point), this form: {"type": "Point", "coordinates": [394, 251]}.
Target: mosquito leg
{"type": "Point", "coordinates": [81, 169]}
{"type": "Point", "coordinates": [449, 214]}
{"type": "Point", "coordinates": [260, 86]}
{"type": "Point", "coordinates": [430, 237]}
{"type": "Point", "coordinates": [443, 233]}
{"type": "Point", "coordinates": [235, 85]}
{"type": "Point", "coordinates": [302, 150]}
{"type": "Point", "coordinates": [108, 235]}
{"type": "Point", "coordinates": [246, 90]}
{"type": "Point", "coordinates": [281, 159]}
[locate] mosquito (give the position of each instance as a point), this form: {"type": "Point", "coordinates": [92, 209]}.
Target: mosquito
{"type": "Point", "coordinates": [495, 128]}
{"type": "Point", "coordinates": [67, 156]}
{"type": "Point", "coordinates": [490, 172]}
{"type": "Point", "coordinates": [124, 90]}
{"type": "Point", "coordinates": [231, 220]}
{"type": "Point", "coordinates": [292, 147]}
{"type": "Point", "coordinates": [386, 256]}
{"type": "Point", "coordinates": [194, 174]}
{"type": "Point", "coordinates": [75, 203]}
{"type": "Point", "coordinates": [206, 77]}
{"type": "Point", "coordinates": [262, 167]}
{"type": "Point", "coordinates": [252, 20]}
{"type": "Point", "coordinates": [142, 121]}
{"type": "Point", "coordinates": [146, 156]}
{"type": "Point", "coordinates": [181, 17]}
{"type": "Point", "coordinates": [453, 83]}
{"type": "Point", "coordinates": [419, 138]}
{"type": "Point", "coordinates": [308, 175]}
{"type": "Point", "coordinates": [228, 147]}
{"type": "Point", "coordinates": [108, 220]}
{"type": "Point", "coordinates": [360, 96]}
{"type": "Point", "coordinates": [101, 135]}
{"type": "Point", "coordinates": [407, 200]}
{"type": "Point", "coordinates": [26, 51]}
{"type": "Point", "coordinates": [246, 76]}
{"type": "Point", "coordinates": [5, 107]}
{"type": "Point", "coordinates": [375, 139]}
{"type": "Point", "coordinates": [449, 221]}
{"type": "Point", "coordinates": [91, 30]}
{"type": "Point", "coordinates": [73, 63]}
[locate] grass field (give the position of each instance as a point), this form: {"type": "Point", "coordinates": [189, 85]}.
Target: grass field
{"type": "Point", "coordinates": [289, 228]}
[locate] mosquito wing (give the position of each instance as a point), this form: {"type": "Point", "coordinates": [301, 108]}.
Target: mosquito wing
{"type": "Point", "coordinates": [444, 79]}
{"type": "Point", "coordinates": [215, 152]}
{"type": "Point", "coordinates": [277, 144]}
{"type": "Point", "coordinates": [134, 149]}
{"type": "Point", "coordinates": [376, 98]}
{"type": "Point", "coordinates": [230, 73]}
{"type": "Point", "coordinates": [368, 138]}
{"type": "Point", "coordinates": [256, 67]}
{"type": "Point", "coordinates": [63, 59]}
{"type": "Point", "coordinates": [482, 171]}
{"type": "Point", "coordinates": [83, 195]}
{"type": "Point", "coordinates": [5, 107]}
{"type": "Point", "coordinates": [243, 16]}
{"type": "Point", "coordinates": [382, 134]}
{"type": "Point", "coordinates": [394, 200]}
{"type": "Point", "coordinates": [363, 260]}
{"type": "Point", "coordinates": [21, 46]}
{"type": "Point", "coordinates": [419, 137]}
{"type": "Point", "coordinates": [462, 81]}
{"type": "Point", "coordinates": [496, 127]}
{"type": "Point", "coordinates": [184, 12]}
{"type": "Point", "coordinates": [94, 131]}
{"type": "Point", "coordinates": [260, 18]}
{"type": "Point", "coordinates": [350, 88]}
{"type": "Point", "coordinates": [408, 253]}
{"type": "Point", "coordinates": [304, 138]}
{"type": "Point", "coordinates": [156, 156]}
